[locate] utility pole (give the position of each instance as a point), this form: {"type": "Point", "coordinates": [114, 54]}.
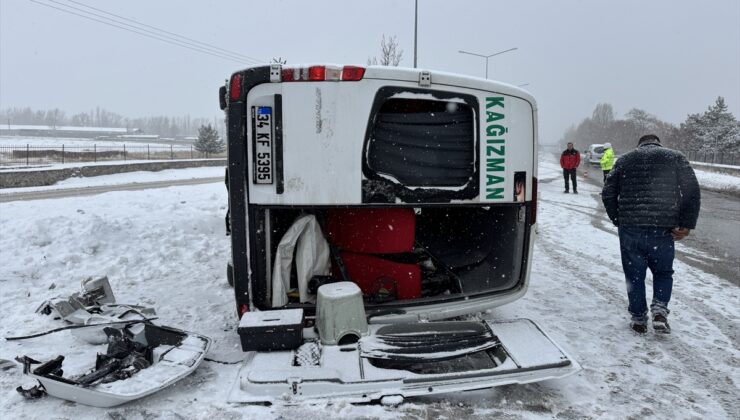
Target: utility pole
{"type": "Point", "coordinates": [416, 26]}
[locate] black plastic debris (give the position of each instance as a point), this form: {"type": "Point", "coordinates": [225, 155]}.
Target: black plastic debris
{"type": "Point", "coordinates": [32, 393]}
{"type": "Point", "coordinates": [130, 349]}
{"type": "Point", "coordinates": [27, 362]}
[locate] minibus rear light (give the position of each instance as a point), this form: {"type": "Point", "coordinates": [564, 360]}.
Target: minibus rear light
{"type": "Point", "coordinates": [317, 73]}
{"type": "Point", "coordinates": [353, 73]}
{"type": "Point", "coordinates": [235, 87]}
{"type": "Point", "coordinates": [322, 74]}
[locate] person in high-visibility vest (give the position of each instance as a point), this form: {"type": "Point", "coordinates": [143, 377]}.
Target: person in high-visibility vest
{"type": "Point", "coordinates": [607, 159]}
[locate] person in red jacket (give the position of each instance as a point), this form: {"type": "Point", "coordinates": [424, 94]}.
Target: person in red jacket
{"type": "Point", "coordinates": [569, 161]}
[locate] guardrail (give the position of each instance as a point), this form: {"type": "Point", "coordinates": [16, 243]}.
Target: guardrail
{"type": "Point", "coordinates": [34, 155]}
{"type": "Point", "coordinates": [719, 158]}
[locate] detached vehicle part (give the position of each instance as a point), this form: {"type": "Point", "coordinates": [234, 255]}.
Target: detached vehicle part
{"type": "Point", "coordinates": [140, 360]}
{"type": "Point", "coordinates": [95, 304]}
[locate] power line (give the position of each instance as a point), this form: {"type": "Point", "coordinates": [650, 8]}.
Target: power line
{"type": "Point", "coordinates": [154, 33]}
{"type": "Point", "coordinates": [170, 33]}
{"type": "Point", "coordinates": [179, 43]}
{"type": "Point", "coordinates": [140, 33]}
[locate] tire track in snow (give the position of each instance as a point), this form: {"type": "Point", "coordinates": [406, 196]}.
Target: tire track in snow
{"type": "Point", "coordinates": [697, 361]}
{"type": "Point", "coordinates": [693, 251]}
{"type": "Point", "coordinates": [600, 221]}
{"type": "Point", "coordinates": [710, 313]}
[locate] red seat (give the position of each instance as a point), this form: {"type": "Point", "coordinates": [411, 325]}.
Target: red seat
{"type": "Point", "coordinates": [358, 233]}
{"type": "Point", "coordinates": [371, 231]}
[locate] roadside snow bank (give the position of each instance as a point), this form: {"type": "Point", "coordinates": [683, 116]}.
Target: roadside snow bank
{"type": "Point", "coordinates": [718, 182]}
{"type": "Point", "coordinates": [126, 178]}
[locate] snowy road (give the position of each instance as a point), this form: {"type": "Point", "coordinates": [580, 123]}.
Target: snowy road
{"type": "Point", "coordinates": [166, 247]}
{"type": "Point", "coordinates": [714, 246]}
{"type": "Point", "coordinates": [82, 191]}
{"type": "Point", "coordinates": [658, 374]}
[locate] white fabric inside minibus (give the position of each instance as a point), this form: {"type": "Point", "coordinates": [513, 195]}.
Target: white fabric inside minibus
{"type": "Point", "coordinates": [311, 257]}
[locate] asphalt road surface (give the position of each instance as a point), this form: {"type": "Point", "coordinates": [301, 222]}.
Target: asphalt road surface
{"type": "Point", "coordinates": [716, 239]}
{"type": "Point", "coordinates": [70, 192]}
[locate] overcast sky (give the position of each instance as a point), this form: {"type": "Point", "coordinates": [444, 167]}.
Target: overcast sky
{"type": "Point", "coordinates": [668, 57]}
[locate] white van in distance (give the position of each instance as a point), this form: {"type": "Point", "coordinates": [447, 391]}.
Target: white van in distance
{"type": "Point", "coordinates": [594, 153]}
{"type": "Point", "coordinates": [367, 208]}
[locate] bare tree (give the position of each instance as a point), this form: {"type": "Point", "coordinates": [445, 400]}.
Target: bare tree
{"type": "Point", "coordinates": [603, 115]}
{"type": "Point", "coordinates": [390, 53]}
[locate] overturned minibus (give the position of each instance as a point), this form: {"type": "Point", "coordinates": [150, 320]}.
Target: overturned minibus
{"type": "Point", "coordinates": [373, 212]}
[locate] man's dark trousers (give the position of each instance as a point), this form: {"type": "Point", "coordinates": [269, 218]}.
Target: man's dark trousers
{"type": "Point", "coordinates": [643, 248]}
{"type": "Point", "coordinates": [572, 174]}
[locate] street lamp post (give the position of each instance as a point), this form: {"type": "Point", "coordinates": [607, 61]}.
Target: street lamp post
{"type": "Point", "coordinates": [416, 26]}
{"type": "Point", "coordinates": [487, 56]}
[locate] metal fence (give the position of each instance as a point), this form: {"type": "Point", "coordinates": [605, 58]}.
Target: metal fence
{"type": "Point", "coordinates": [34, 155]}
{"type": "Point", "coordinates": [720, 158]}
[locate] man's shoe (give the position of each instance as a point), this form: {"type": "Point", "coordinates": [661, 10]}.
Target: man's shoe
{"type": "Point", "coordinates": [638, 328]}
{"type": "Point", "coordinates": [566, 191]}
{"type": "Point", "coordinates": [660, 324]}
{"type": "Point", "coordinates": [575, 192]}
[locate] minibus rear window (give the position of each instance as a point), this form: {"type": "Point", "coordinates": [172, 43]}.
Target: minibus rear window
{"type": "Point", "coordinates": [423, 142]}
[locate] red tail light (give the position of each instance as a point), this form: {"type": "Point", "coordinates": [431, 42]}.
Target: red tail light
{"type": "Point", "coordinates": [317, 73]}
{"type": "Point", "coordinates": [322, 74]}
{"type": "Point", "coordinates": [235, 88]}
{"type": "Point", "coordinates": [353, 73]}
{"type": "Point", "coordinates": [533, 218]}
{"type": "Point", "coordinates": [242, 309]}
{"type": "Point", "coordinates": [288, 76]}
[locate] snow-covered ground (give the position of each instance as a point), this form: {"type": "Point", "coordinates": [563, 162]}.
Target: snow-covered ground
{"type": "Point", "coordinates": [166, 248]}
{"type": "Point", "coordinates": [718, 181]}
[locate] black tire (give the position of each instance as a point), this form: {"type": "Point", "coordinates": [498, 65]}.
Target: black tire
{"type": "Point", "coordinates": [230, 274]}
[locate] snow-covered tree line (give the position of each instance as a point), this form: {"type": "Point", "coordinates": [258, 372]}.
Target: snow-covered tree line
{"type": "Point", "coordinates": [165, 126]}
{"type": "Point", "coordinates": [715, 130]}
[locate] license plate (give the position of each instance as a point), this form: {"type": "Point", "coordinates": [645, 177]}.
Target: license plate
{"type": "Point", "coordinates": [263, 144]}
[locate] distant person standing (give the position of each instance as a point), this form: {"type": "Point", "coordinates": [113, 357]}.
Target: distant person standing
{"type": "Point", "coordinates": [569, 161]}
{"type": "Point", "coordinates": [607, 159]}
{"type": "Point", "coordinates": [653, 197]}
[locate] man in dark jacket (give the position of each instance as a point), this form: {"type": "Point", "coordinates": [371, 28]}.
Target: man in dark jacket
{"type": "Point", "coordinates": [569, 161]}
{"type": "Point", "coordinates": [653, 196]}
